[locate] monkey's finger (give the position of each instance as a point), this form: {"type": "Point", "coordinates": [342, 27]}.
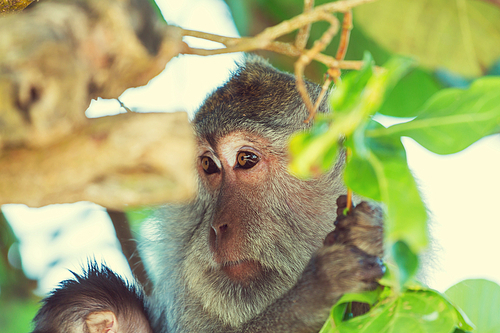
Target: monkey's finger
{"type": "Point", "coordinates": [341, 205]}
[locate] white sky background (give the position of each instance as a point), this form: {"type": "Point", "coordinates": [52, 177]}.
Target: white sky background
{"type": "Point", "coordinates": [462, 191]}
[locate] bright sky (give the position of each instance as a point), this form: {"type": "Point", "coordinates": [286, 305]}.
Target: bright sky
{"type": "Point", "coordinates": [462, 191]}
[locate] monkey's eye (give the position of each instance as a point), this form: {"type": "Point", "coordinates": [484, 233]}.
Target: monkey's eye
{"type": "Point", "coordinates": [209, 165]}
{"type": "Point", "coordinates": [247, 160]}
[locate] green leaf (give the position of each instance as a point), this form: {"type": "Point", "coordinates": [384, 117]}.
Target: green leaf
{"type": "Point", "coordinates": [16, 314]}
{"type": "Point", "coordinates": [386, 177]}
{"type": "Point", "coordinates": [480, 300]}
{"type": "Point", "coordinates": [361, 93]}
{"type": "Point", "coordinates": [412, 311]}
{"type": "Point", "coordinates": [410, 94]}
{"type": "Point", "coordinates": [338, 310]}
{"type": "Point", "coordinates": [454, 119]}
{"type": "Point", "coordinates": [348, 93]}
{"type": "Point", "coordinates": [463, 36]}
{"type": "Point", "coordinates": [368, 297]}
{"type": "Point", "coordinates": [406, 261]}
{"type": "Point", "coordinates": [314, 152]}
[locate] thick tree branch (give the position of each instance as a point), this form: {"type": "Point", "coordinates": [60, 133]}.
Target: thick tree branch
{"type": "Point", "coordinates": [119, 161]}
{"type": "Point", "coordinates": [59, 55]}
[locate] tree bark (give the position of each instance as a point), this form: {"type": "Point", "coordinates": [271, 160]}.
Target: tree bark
{"type": "Point", "coordinates": [56, 57]}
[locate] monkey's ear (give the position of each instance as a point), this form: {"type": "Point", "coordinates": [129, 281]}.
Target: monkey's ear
{"type": "Point", "coordinates": [102, 322]}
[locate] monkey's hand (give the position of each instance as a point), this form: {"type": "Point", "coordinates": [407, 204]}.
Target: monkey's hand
{"type": "Point", "coordinates": [362, 227]}
{"type": "Point", "coordinates": [344, 268]}
{"type": "Point", "coordinates": [353, 250]}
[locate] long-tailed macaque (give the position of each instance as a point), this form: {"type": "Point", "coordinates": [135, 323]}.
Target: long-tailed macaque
{"type": "Point", "coordinates": [256, 250]}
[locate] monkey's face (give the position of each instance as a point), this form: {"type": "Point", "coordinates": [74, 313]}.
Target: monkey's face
{"type": "Point", "coordinates": [237, 173]}
{"type": "Point", "coordinates": [261, 225]}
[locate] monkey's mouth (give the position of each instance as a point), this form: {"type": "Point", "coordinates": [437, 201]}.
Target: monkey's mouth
{"type": "Point", "coordinates": [242, 270]}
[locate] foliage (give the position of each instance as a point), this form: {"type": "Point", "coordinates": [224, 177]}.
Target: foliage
{"type": "Point", "coordinates": [423, 310]}
{"type": "Point", "coordinates": [16, 298]}
{"type": "Point", "coordinates": [16, 314]}
{"type": "Point", "coordinates": [416, 310]}
{"type": "Point", "coordinates": [376, 167]}
{"type": "Point", "coordinates": [462, 36]}
{"type": "Point", "coordinates": [480, 300]}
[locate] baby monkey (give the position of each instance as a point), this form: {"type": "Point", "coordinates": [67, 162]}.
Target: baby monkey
{"type": "Point", "coordinates": [99, 301]}
{"type": "Point", "coordinates": [257, 249]}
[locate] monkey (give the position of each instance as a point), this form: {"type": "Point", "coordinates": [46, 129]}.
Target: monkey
{"type": "Point", "coordinates": [247, 254]}
{"type": "Point", "coordinates": [258, 249]}
{"type": "Point", "coordinates": [97, 301]}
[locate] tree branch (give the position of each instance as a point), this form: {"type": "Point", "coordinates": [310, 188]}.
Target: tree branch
{"type": "Point", "coordinates": [130, 159]}
{"type": "Point", "coordinates": [129, 248]}
{"type": "Point", "coordinates": [266, 40]}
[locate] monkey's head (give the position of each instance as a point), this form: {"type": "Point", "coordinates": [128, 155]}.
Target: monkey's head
{"type": "Point", "coordinates": [261, 224]}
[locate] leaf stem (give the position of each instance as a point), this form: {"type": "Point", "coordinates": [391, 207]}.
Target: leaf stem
{"type": "Point", "coordinates": [418, 124]}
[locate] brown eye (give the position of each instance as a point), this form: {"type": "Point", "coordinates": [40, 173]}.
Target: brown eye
{"type": "Point", "coordinates": [247, 160]}
{"type": "Point", "coordinates": [209, 165]}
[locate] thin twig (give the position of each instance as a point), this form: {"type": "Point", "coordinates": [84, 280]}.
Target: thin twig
{"type": "Point", "coordinates": [349, 190]}
{"type": "Point", "coordinates": [334, 72]}
{"type": "Point", "coordinates": [303, 34]}
{"type": "Point", "coordinates": [307, 57]}
{"type": "Point", "coordinates": [341, 6]}
{"type": "Point", "coordinates": [345, 35]}
{"type": "Point", "coordinates": [324, 89]}
{"type": "Point", "coordinates": [123, 105]}
{"type": "Point", "coordinates": [266, 39]}
{"type": "Point", "coordinates": [349, 200]}
{"type": "Point", "coordinates": [226, 41]}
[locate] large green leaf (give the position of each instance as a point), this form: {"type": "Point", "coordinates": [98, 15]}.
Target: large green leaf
{"type": "Point", "coordinates": [380, 171]}
{"type": "Point", "coordinates": [406, 260]}
{"type": "Point", "coordinates": [480, 300]}
{"type": "Point", "coordinates": [413, 311]}
{"type": "Point", "coordinates": [453, 119]}
{"type": "Point", "coordinates": [338, 310]}
{"type": "Point", "coordinates": [461, 35]}
{"type": "Point", "coordinates": [410, 94]}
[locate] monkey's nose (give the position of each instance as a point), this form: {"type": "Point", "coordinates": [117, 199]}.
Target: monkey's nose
{"type": "Point", "coordinates": [218, 236]}
{"type": "Point", "coordinates": [220, 230]}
